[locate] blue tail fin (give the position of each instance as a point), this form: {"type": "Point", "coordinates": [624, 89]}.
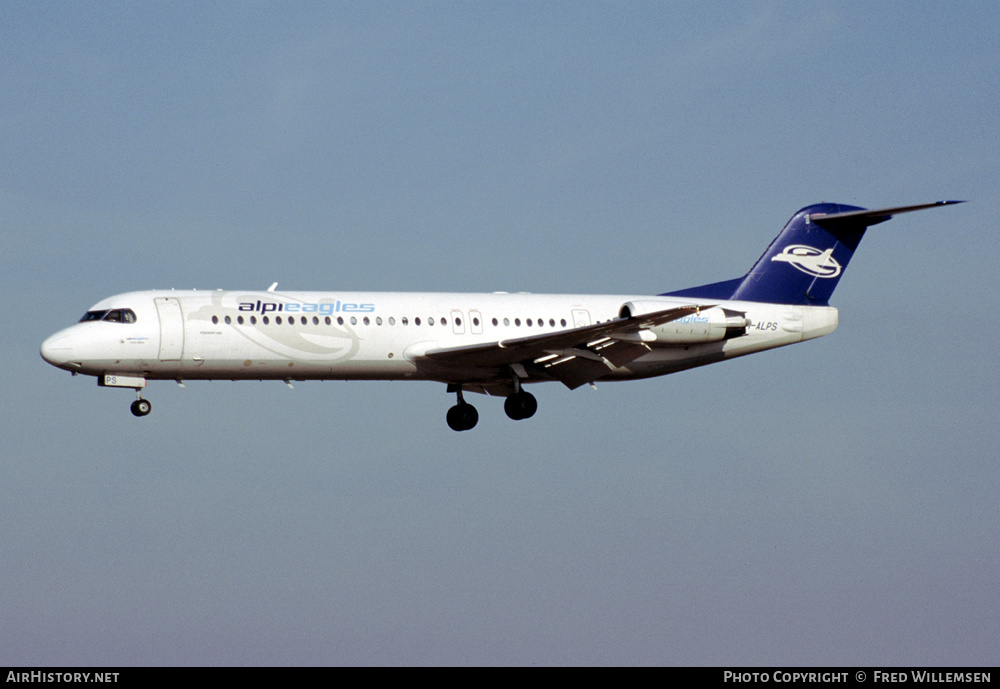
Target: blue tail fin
{"type": "Point", "coordinates": [806, 260]}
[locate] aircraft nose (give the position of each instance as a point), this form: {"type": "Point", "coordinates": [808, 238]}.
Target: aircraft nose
{"type": "Point", "coordinates": [58, 349]}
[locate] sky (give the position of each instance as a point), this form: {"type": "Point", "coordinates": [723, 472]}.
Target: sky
{"type": "Point", "coordinates": [833, 503]}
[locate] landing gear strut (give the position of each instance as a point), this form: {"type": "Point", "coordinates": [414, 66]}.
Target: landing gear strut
{"type": "Point", "coordinates": [463, 416]}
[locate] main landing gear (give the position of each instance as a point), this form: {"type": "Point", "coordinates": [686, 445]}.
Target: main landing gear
{"type": "Point", "coordinates": [463, 416]}
{"type": "Point", "coordinates": [520, 405]}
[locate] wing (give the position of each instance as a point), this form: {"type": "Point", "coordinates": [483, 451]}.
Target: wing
{"type": "Point", "coordinates": [575, 356]}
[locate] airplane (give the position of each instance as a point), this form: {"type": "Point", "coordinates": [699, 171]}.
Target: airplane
{"type": "Point", "coordinates": [483, 343]}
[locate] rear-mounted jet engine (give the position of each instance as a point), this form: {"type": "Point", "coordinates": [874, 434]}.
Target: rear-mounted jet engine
{"type": "Point", "coordinates": [710, 325]}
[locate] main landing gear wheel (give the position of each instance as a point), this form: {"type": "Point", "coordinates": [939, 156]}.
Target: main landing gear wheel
{"type": "Point", "coordinates": [520, 405]}
{"type": "Point", "coordinates": [141, 407]}
{"type": "Point", "coordinates": [462, 417]}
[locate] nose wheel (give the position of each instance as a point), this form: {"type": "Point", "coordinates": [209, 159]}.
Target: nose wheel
{"type": "Point", "coordinates": [141, 407]}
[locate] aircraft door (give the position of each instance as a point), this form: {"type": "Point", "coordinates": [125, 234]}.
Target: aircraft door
{"type": "Point", "coordinates": [581, 317]}
{"type": "Point", "coordinates": [171, 328]}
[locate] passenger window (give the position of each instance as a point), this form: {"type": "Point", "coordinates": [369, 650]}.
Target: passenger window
{"type": "Point", "coordinates": [215, 320]}
{"type": "Point", "coordinates": [416, 321]}
{"type": "Point", "coordinates": [392, 321]}
{"type": "Point", "coordinates": [253, 320]}
{"type": "Point", "coordinates": [404, 320]}
{"type": "Point", "coordinates": [430, 321]}
{"type": "Point", "coordinates": [266, 320]}
{"type": "Point", "coordinates": [229, 321]}
{"type": "Point", "coordinates": [239, 319]}
{"type": "Point", "coordinates": [277, 319]}
{"type": "Point", "coordinates": [354, 320]}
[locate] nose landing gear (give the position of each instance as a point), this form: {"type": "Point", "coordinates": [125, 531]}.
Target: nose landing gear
{"type": "Point", "coordinates": [141, 407]}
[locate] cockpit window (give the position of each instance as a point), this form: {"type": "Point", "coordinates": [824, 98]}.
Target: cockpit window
{"type": "Point", "coordinates": [111, 315]}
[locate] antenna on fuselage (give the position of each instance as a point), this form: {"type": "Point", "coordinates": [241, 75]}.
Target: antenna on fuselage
{"type": "Point", "coordinates": [271, 288]}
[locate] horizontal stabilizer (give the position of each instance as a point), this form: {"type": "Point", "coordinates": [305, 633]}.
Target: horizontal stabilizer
{"type": "Point", "coordinates": [872, 217]}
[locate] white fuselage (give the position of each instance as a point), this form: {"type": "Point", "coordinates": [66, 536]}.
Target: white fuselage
{"type": "Point", "coordinates": [375, 335]}
{"type": "Point", "coordinates": [486, 343]}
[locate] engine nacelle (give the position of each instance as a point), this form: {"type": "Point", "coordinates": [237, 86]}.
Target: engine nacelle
{"type": "Point", "coordinates": [710, 325]}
